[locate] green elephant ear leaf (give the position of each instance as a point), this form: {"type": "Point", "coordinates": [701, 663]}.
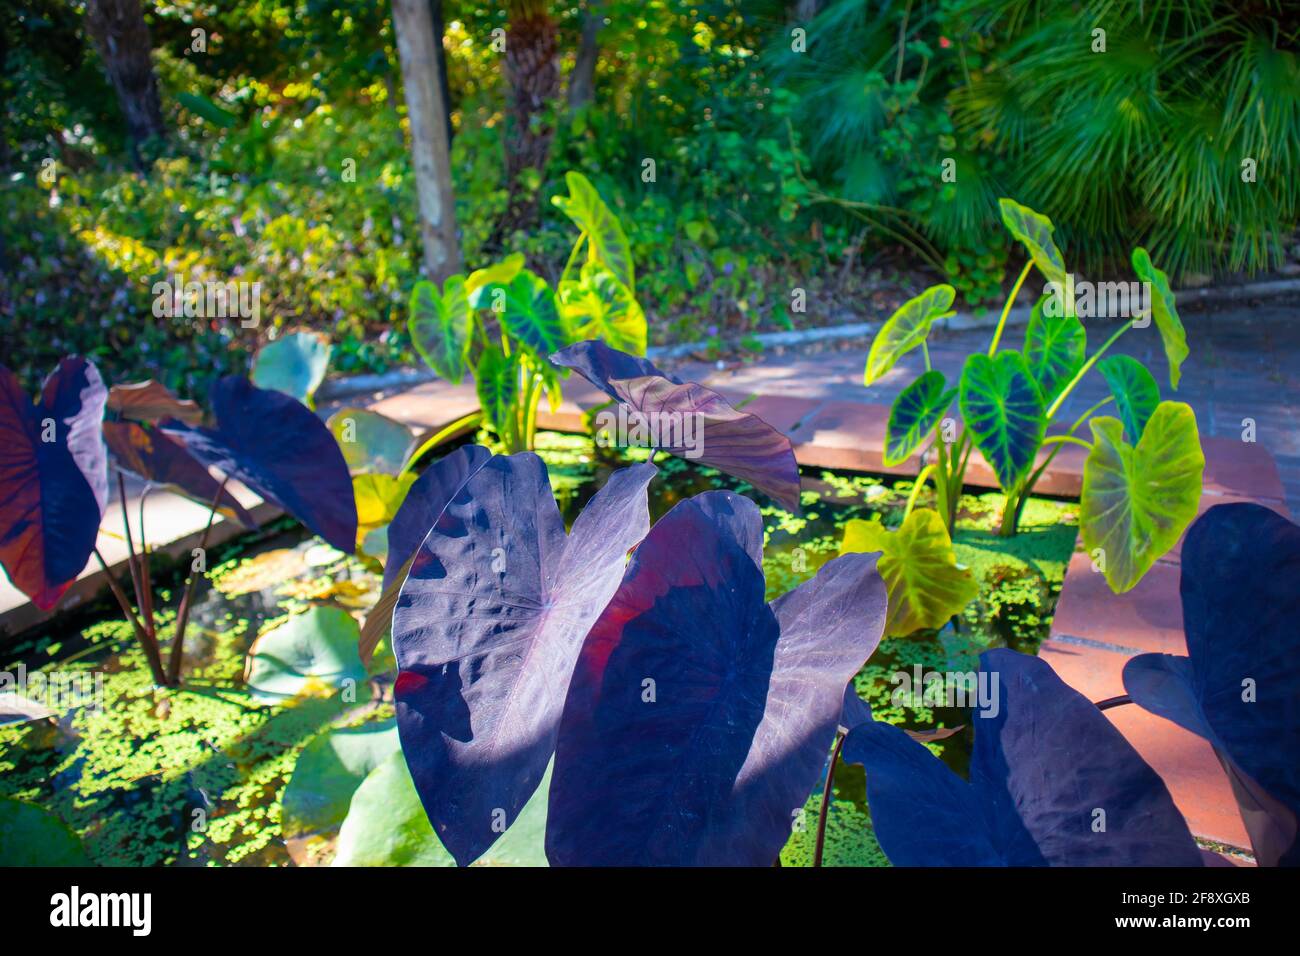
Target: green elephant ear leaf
{"type": "Point", "coordinates": [924, 583]}
{"type": "Point", "coordinates": [378, 498]}
{"type": "Point", "coordinates": [294, 364]}
{"type": "Point", "coordinates": [606, 242]}
{"type": "Point", "coordinates": [1163, 311]}
{"type": "Point", "coordinates": [370, 442]}
{"type": "Point", "coordinates": [33, 836]}
{"type": "Point", "coordinates": [1054, 350]}
{"type": "Point", "coordinates": [500, 273]}
{"type": "Point", "coordinates": [1135, 390]}
{"type": "Point", "coordinates": [915, 412]}
{"type": "Point", "coordinates": [440, 326]}
{"type": "Point", "coordinates": [530, 315]}
{"type": "Point", "coordinates": [598, 306]}
{"type": "Point", "coordinates": [1002, 408]}
{"type": "Point", "coordinates": [1137, 501]}
{"type": "Point", "coordinates": [1034, 231]}
{"type": "Point", "coordinates": [906, 329]}
{"type": "Point", "coordinates": [386, 826]}
{"type": "Point", "coordinates": [496, 380]}
{"type": "Point", "coordinates": [312, 654]}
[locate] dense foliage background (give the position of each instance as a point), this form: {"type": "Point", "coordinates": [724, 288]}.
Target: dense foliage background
{"type": "Point", "coordinates": [795, 145]}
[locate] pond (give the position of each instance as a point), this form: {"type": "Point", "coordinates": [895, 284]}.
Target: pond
{"type": "Point", "coordinates": [198, 775]}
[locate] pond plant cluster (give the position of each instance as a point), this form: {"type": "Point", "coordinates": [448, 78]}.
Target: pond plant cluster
{"type": "Point", "coordinates": [616, 691]}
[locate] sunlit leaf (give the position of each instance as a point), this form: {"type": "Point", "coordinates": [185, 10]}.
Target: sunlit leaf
{"type": "Point", "coordinates": [440, 326]}
{"type": "Point", "coordinates": [906, 329]}
{"type": "Point", "coordinates": [1135, 390]}
{"type": "Point", "coordinates": [1034, 231]}
{"type": "Point", "coordinates": [598, 306]}
{"type": "Point", "coordinates": [370, 442]}
{"type": "Point", "coordinates": [328, 772]}
{"type": "Point", "coordinates": [1136, 502]}
{"type": "Point", "coordinates": [150, 401]}
{"type": "Point", "coordinates": [607, 243]}
{"type": "Point", "coordinates": [926, 587]}
{"type": "Point", "coordinates": [490, 620]}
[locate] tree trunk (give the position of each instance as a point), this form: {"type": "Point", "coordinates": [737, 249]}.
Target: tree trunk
{"type": "Point", "coordinates": [122, 39]}
{"type": "Point", "coordinates": [419, 50]}
{"type": "Point", "coordinates": [582, 81]}
{"type": "Point", "coordinates": [533, 74]}
{"type": "Point", "coordinates": [435, 13]}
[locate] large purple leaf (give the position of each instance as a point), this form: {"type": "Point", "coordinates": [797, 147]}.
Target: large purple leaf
{"type": "Point", "coordinates": [738, 443]}
{"type": "Point", "coordinates": [486, 632]}
{"type": "Point", "coordinates": [276, 446]}
{"type": "Point", "coordinates": [1239, 686]}
{"type": "Point", "coordinates": [425, 501]}
{"type": "Point", "coordinates": [156, 457]}
{"type": "Point", "coordinates": [699, 717]}
{"type": "Point", "coordinates": [1052, 782]}
{"type": "Point", "coordinates": [53, 478]}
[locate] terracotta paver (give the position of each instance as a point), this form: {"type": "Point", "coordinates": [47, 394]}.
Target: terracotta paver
{"type": "Point", "coordinates": [848, 435]}
{"type": "Point", "coordinates": [1147, 618]}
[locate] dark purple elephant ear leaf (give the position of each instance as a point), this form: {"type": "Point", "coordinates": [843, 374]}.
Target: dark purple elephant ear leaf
{"type": "Point", "coordinates": [278, 448]}
{"type": "Point", "coordinates": [486, 631]}
{"type": "Point", "coordinates": [691, 421]}
{"type": "Point", "coordinates": [1052, 782]}
{"type": "Point", "coordinates": [600, 365]}
{"type": "Point", "coordinates": [425, 501]}
{"type": "Point", "coordinates": [156, 457]}
{"type": "Point", "coordinates": [695, 729]}
{"type": "Point", "coordinates": [923, 813]}
{"type": "Point", "coordinates": [1239, 686]}
{"type": "Point", "coordinates": [53, 478]}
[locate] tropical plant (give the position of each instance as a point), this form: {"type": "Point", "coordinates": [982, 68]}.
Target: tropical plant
{"type": "Point", "coordinates": [501, 322]}
{"type": "Point", "coordinates": [565, 656]}
{"type": "Point", "coordinates": [1142, 477]}
{"type": "Point", "coordinates": [54, 476]}
{"type": "Point", "coordinates": [1027, 804]}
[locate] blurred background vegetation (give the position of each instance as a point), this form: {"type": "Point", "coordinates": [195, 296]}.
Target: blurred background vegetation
{"type": "Point", "coordinates": [795, 144]}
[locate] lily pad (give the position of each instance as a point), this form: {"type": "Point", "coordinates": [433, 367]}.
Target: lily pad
{"type": "Point", "coordinates": [328, 772]}
{"type": "Point", "coordinates": [294, 364]}
{"type": "Point", "coordinates": [906, 329]}
{"type": "Point", "coordinates": [924, 583]}
{"type": "Point", "coordinates": [387, 826]}
{"type": "Point", "coordinates": [313, 653]}
{"type": "Point", "coordinates": [370, 442]}
{"type": "Point", "coordinates": [33, 836]}
{"type": "Point", "coordinates": [1137, 501]}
